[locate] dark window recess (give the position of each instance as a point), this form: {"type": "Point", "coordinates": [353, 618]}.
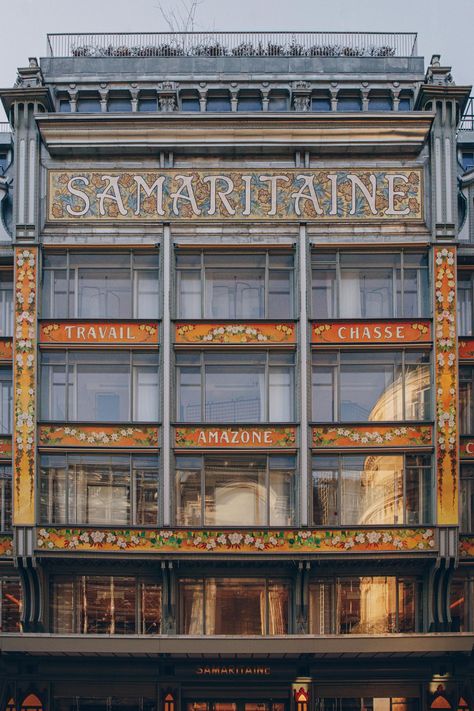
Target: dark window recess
{"type": "Point", "coordinates": [380, 102]}
{"type": "Point", "coordinates": [349, 102]}
{"type": "Point", "coordinates": [278, 102]}
{"type": "Point", "coordinates": [64, 106]}
{"type": "Point", "coordinates": [148, 103]}
{"type": "Point", "coordinates": [320, 103]}
{"type": "Point", "coordinates": [190, 102]}
{"type": "Point", "coordinates": [88, 105]}
{"type": "Point", "coordinates": [116, 104]}
{"type": "Point", "coordinates": [467, 161]}
{"type": "Point", "coordinates": [250, 102]}
{"type": "Point", "coordinates": [218, 103]}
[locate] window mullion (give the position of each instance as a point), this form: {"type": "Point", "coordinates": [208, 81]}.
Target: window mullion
{"type": "Point", "coordinates": [203, 491]}
{"type": "Point", "coordinates": [203, 287]}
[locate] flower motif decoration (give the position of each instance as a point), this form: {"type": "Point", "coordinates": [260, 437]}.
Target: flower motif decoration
{"type": "Point", "coordinates": [252, 199]}
{"type": "Point", "coordinates": [238, 333]}
{"type": "Point", "coordinates": [238, 541]}
{"type": "Point", "coordinates": [6, 546]}
{"type": "Point", "coordinates": [362, 436]}
{"type": "Point", "coordinates": [446, 383]}
{"type": "Point", "coordinates": [107, 436]}
{"type": "Point", "coordinates": [24, 379]}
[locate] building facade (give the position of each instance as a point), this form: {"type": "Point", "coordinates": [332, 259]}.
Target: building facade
{"type": "Point", "coordinates": [237, 376]}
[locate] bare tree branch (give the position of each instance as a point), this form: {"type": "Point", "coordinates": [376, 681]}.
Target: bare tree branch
{"type": "Point", "coordinates": [182, 17]}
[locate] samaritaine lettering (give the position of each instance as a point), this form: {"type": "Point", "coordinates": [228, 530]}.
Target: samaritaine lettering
{"type": "Point", "coordinates": [233, 671]}
{"type": "Point", "coordinates": [291, 194]}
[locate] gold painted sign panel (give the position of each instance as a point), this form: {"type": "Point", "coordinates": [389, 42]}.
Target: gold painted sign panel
{"type": "Point", "coordinates": [238, 194]}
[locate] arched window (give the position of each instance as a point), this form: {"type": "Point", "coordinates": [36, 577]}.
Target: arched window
{"type": "Point", "coordinates": [31, 703]}
{"type": "Point", "coordinates": [169, 702]}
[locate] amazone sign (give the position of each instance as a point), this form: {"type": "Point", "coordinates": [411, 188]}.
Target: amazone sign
{"type": "Point", "coordinates": [299, 194]}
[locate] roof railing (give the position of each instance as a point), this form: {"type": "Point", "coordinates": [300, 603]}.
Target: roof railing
{"type": "Point", "coordinates": [234, 44]}
{"type": "Point", "coordinates": [467, 120]}
{"type": "Point", "coordinates": [5, 127]}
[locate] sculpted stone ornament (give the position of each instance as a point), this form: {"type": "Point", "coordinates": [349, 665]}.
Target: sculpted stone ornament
{"type": "Point", "coordinates": [167, 103]}
{"type": "Point", "coordinates": [301, 103]}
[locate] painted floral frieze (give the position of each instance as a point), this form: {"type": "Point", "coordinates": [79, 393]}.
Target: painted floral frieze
{"type": "Point", "coordinates": [466, 546]}
{"type": "Point", "coordinates": [385, 540]}
{"type": "Point", "coordinates": [262, 334]}
{"type": "Point", "coordinates": [446, 370]}
{"type": "Point", "coordinates": [235, 437]}
{"type": "Point", "coordinates": [6, 447]}
{"type": "Point", "coordinates": [326, 436]}
{"type": "Point", "coordinates": [24, 383]}
{"type": "Point", "coordinates": [96, 436]}
{"type": "Point", "coordinates": [238, 194]}
{"type": "Point", "coordinates": [90, 333]}
{"type": "Point", "coordinates": [6, 545]}
{"type": "Point", "coordinates": [6, 349]}
{"type": "Point", "coordinates": [466, 349]}
{"type": "Point", "coordinates": [349, 333]}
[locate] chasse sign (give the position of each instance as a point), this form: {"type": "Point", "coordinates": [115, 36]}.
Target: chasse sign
{"type": "Point", "coordinates": [296, 194]}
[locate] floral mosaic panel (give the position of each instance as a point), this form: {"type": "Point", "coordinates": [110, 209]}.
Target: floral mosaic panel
{"type": "Point", "coordinates": [466, 546]}
{"type": "Point", "coordinates": [466, 349]}
{"type": "Point", "coordinates": [6, 447]}
{"type": "Point", "coordinates": [100, 334]}
{"type": "Point", "coordinates": [263, 334]}
{"type": "Point", "coordinates": [298, 194]}
{"type": "Point", "coordinates": [6, 545]}
{"type": "Point", "coordinates": [387, 540]}
{"type": "Point", "coordinates": [235, 437]}
{"type": "Point", "coordinates": [87, 435]}
{"type": "Point", "coordinates": [358, 332]}
{"type": "Point", "coordinates": [446, 372]}
{"type": "Point", "coordinates": [372, 436]}
{"type": "Point", "coordinates": [6, 349]}
{"type": "Point", "coordinates": [24, 384]}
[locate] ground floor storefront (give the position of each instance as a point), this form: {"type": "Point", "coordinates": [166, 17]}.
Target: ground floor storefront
{"type": "Point", "coordinates": [328, 680]}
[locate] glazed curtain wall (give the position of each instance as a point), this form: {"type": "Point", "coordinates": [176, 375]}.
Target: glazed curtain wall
{"type": "Point", "coordinates": [119, 285]}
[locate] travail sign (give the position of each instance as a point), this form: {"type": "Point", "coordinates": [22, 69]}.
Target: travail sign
{"type": "Point", "coordinates": [239, 194]}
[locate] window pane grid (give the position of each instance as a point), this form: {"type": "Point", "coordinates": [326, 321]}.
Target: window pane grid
{"type": "Point", "coordinates": [348, 286]}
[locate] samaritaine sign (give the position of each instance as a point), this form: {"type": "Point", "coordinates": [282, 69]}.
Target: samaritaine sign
{"type": "Point", "coordinates": [238, 194]}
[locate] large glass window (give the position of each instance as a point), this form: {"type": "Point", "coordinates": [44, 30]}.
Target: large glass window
{"type": "Point", "coordinates": [10, 604]}
{"type": "Point", "coordinates": [357, 386]}
{"type": "Point", "coordinates": [6, 414]}
{"type": "Point", "coordinates": [5, 497]}
{"type": "Point", "coordinates": [461, 603]}
{"type": "Point", "coordinates": [105, 604]}
{"type": "Point", "coordinates": [6, 304]}
{"type": "Point", "coordinates": [367, 703]}
{"type": "Point", "coordinates": [234, 606]}
{"type": "Point", "coordinates": [467, 498]}
{"type": "Point", "coordinates": [235, 286]}
{"type": "Point", "coordinates": [466, 399]}
{"type": "Point", "coordinates": [106, 285]}
{"type": "Point", "coordinates": [364, 605]}
{"type": "Point", "coordinates": [235, 490]}
{"type": "Point", "coordinates": [367, 490]}
{"type": "Point", "coordinates": [235, 387]}
{"type": "Point", "coordinates": [364, 285]}
{"type": "Point", "coordinates": [101, 489]}
{"type": "Point", "coordinates": [465, 285]}
{"type": "Point", "coordinates": [99, 386]}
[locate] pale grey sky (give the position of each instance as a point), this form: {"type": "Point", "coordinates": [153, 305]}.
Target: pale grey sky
{"type": "Point", "coordinates": [444, 26]}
